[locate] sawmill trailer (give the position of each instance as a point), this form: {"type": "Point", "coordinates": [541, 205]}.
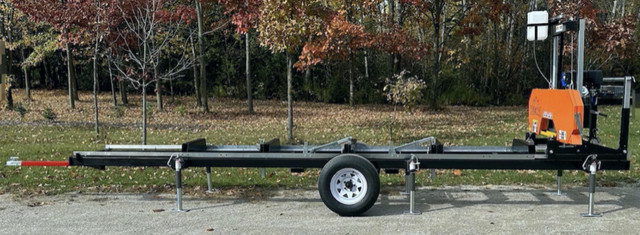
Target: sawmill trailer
{"type": "Point", "coordinates": [561, 136]}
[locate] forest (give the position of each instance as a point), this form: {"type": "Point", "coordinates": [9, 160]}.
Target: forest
{"type": "Point", "coordinates": [411, 52]}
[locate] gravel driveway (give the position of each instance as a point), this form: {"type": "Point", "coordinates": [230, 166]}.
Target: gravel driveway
{"type": "Point", "coordinates": [457, 210]}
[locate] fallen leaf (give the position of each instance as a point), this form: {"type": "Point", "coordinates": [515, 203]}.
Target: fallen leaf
{"type": "Point", "coordinates": [210, 229]}
{"type": "Point", "coordinates": [158, 210]}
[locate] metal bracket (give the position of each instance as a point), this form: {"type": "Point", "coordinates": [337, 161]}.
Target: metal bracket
{"type": "Point", "coordinates": [337, 142]}
{"type": "Point", "coordinates": [431, 140]}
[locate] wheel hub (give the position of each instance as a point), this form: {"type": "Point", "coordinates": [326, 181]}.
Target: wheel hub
{"type": "Point", "coordinates": [348, 186]}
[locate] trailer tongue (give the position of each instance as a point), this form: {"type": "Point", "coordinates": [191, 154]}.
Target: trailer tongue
{"type": "Point", "coordinates": [349, 183]}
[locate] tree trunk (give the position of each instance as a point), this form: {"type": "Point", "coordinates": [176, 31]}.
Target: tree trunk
{"type": "Point", "coordinates": [248, 66]}
{"type": "Point", "coordinates": [113, 88]}
{"type": "Point", "coordinates": [158, 94]}
{"type": "Point", "coordinates": [71, 79]}
{"type": "Point", "coordinates": [307, 78]}
{"type": "Point", "coordinates": [144, 113]}
{"type": "Point", "coordinates": [9, 98]}
{"type": "Point", "coordinates": [123, 92]}
{"type": "Point", "coordinates": [196, 80]}
{"type": "Point", "coordinates": [96, 126]}
{"type": "Point", "coordinates": [171, 90]}
{"type": "Point", "coordinates": [203, 75]}
{"type": "Point", "coordinates": [48, 75]}
{"type": "Point", "coordinates": [438, 23]}
{"type": "Point", "coordinates": [366, 65]}
{"type": "Point", "coordinates": [289, 98]}
{"type": "Point", "coordinates": [27, 83]}
{"type": "Point", "coordinates": [350, 58]}
{"type": "Point", "coordinates": [42, 76]}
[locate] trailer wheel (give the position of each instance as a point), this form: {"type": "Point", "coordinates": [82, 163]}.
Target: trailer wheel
{"type": "Point", "coordinates": [349, 185]}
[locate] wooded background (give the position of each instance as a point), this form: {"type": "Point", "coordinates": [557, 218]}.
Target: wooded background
{"type": "Point", "coordinates": [470, 52]}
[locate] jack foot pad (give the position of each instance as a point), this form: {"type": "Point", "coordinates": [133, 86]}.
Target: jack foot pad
{"type": "Point", "coordinates": [412, 213]}
{"type": "Point", "coordinates": [591, 215]}
{"type": "Point", "coordinates": [179, 210]}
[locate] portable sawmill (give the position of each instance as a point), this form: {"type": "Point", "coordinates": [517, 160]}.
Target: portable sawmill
{"type": "Point", "coordinates": [562, 135]}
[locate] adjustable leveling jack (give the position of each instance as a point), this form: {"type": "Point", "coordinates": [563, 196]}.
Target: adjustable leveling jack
{"type": "Point", "coordinates": [559, 184]}
{"type": "Point", "coordinates": [178, 167]}
{"type": "Point", "coordinates": [207, 171]}
{"type": "Point", "coordinates": [592, 165]}
{"type": "Point", "coordinates": [413, 165]}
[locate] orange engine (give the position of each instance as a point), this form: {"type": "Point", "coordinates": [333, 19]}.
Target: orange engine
{"type": "Point", "coordinates": [556, 114]}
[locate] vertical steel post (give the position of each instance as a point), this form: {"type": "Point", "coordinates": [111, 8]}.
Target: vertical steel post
{"type": "Point", "coordinates": [592, 189]}
{"type": "Point", "coordinates": [207, 170]}
{"type": "Point", "coordinates": [412, 166]}
{"type": "Point", "coordinates": [412, 187]}
{"type": "Point", "coordinates": [623, 140]}
{"type": "Point", "coordinates": [178, 165]}
{"type": "Point", "coordinates": [559, 183]}
{"type": "Point", "coordinates": [407, 190]}
{"type": "Point", "coordinates": [554, 63]}
{"type": "Point", "coordinates": [580, 69]}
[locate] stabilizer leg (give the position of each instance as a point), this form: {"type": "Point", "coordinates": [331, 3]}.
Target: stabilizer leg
{"type": "Point", "coordinates": [178, 165]}
{"type": "Point", "coordinates": [410, 181]}
{"type": "Point", "coordinates": [593, 168]}
{"type": "Point", "coordinates": [207, 170]}
{"type": "Point", "coordinates": [559, 184]}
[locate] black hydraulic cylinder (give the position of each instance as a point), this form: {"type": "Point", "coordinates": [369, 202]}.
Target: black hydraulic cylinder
{"type": "Point", "coordinates": [624, 129]}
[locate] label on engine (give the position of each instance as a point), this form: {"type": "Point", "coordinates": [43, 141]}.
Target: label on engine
{"type": "Point", "coordinates": [562, 135]}
{"type": "Point", "coordinates": [534, 125]}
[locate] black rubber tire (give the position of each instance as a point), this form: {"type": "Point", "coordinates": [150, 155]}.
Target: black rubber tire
{"type": "Point", "coordinates": [359, 163]}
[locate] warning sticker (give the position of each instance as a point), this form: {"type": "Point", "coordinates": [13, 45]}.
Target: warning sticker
{"type": "Point", "coordinates": [534, 125]}
{"type": "Point", "coordinates": [562, 135]}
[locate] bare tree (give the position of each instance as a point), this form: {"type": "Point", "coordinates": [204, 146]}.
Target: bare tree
{"type": "Point", "coordinates": [148, 35]}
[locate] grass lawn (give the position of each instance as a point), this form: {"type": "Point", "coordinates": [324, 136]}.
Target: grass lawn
{"type": "Point", "coordinates": [31, 137]}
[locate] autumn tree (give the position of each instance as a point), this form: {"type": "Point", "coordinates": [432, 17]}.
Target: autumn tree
{"type": "Point", "coordinates": [243, 15]}
{"type": "Point", "coordinates": [284, 27]}
{"type": "Point", "coordinates": [610, 36]}
{"type": "Point", "coordinates": [67, 17]}
{"type": "Point", "coordinates": [336, 39]}
{"type": "Point", "coordinates": [442, 17]}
